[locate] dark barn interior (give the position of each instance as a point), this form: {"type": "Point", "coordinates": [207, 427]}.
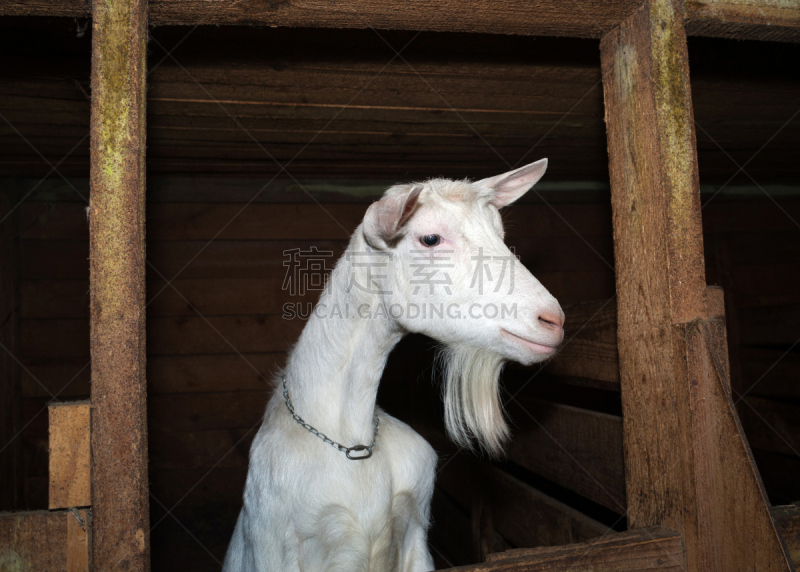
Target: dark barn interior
{"type": "Point", "coordinates": [263, 140]}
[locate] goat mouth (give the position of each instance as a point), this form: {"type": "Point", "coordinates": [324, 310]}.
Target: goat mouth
{"type": "Point", "coordinates": [533, 346]}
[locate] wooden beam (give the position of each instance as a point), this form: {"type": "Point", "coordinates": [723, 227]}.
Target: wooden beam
{"type": "Point", "coordinates": [774, 20]}
{"type": "Point", "coordinates": [592, 349]}
{"type": "Point", "coordinates": [585, 18]}
{"type": "Point", "coordinates": [10, 375]}
{"type": "Point", "coordinates": [769, 20]}
{"type": "Point", "coordinates": [42, 540]}
{"type": "Point", "coordinates": [520, 513]}
{"type": "Point", "coordinates": [579, 449]}
{"type": "Point", "coordinates": [636, 550]}
{"type": "Point", "coordinates": [117, 274]}
{"type": "Point", "coordinates": [788, 520]}
{"type": "Point", "coordinates": [688, 466]}
{"type": "Point", "coordinates": [79, 531]}
{"type": "Point", "coordinates": [70, 462]}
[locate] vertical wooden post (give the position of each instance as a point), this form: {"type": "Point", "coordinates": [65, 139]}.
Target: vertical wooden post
{"type": "Point", "coordinates": [117, 253]}
{"type": "Point", "coordinates": [10, 380]}
{"type": "Point", "coordinates": [688, 466]}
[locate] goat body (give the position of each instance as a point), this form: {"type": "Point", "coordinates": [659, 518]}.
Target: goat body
{"type": "Point", "coordinates": [306, 505]}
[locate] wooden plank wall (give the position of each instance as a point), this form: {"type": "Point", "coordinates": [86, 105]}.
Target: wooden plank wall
{"type": "Point", "coordinates": [11, 468]}
{"type": "Point", "coordinates": [205, 399]}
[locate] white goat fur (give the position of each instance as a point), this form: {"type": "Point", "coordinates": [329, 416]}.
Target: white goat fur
{"type": "Point", "coordinates": [306, 506]}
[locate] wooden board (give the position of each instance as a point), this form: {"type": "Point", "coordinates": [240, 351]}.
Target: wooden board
{"type": "Point", "coordinates": [688, 466]}
{"type": "Point", "coordinates": [165, 374]}
{"type": "Point", "coordinates": [520, 513]}
{"type": "Point", "coordinates": [511, 17]}
{"type": "Point", "coordinates": [117, 277]}
{"type": "Point", "coordinates": [79, 530]}
{"type": "Point", "coordinates": [170, 336]}
{"type": "Point", "coordinates": [11, 467]}
{"type": "Point", "coordinates": [579, 449]}
{"type": "Point", "coordinates": [764, 20]}
{"type": "Point", "coordinates": [788, 521]}
{"type": "Point", "coordinates": [643, 549]}
{"type": "Point", "coordinates": [42, 540]}
{"type": "Point", "coordinates": [767, 20]}
{"type": "Point", "coordinates": [70, 457]}
{"type": "Point", "coordinates": [235, 258]}
{"type": "Point", "coordinates": [234, 221]}
{"type": "Point", "coordinates": [590, 350]}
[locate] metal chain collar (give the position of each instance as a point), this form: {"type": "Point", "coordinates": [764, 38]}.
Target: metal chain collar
{"type": "Point", "coordinates": [332, 443]}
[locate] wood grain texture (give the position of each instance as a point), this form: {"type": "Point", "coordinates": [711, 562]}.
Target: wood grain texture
{"type": "Point", "coordinates": [688, 466]}
{"type": "Point", "coordinates": [788, 520]}
{"type": "Point", "coordinates": [117, 277]}
{"type": "Point", "coordinates": [165, 374]}
{"type": "Point", "coordinates": [70, 455]}
{"type": "Point", "coordinates": [11, 467]}
{"type": "Point", "coordinates": [576, 448]}
{"type": "Point", "coordinates": [520, 513]}
{"type": "Point", "coordinates": [36, 540]}
{"type": "Point", "coordinates": [591, 348]}
{"type": "Point", "coordinates": [636, 550]}
{"type": "Point", "coordinates": [79, 531]}
{"type": "Point", "coordinates": [774, 20]}
{"type": "Point", "coordinates": [544, 18]}
{"type": "Point", "coordinates": [766, 20]}
{"type": "Point", "coordinates": [287, 221]}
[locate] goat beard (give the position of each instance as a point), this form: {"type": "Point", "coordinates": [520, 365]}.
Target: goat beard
{"type": "Point", "coordinates": [472, 408]}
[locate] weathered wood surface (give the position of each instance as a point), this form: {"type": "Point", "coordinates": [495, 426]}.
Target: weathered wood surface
{"type": "Point", "coordinates": [767, 20]}
{"type": "Point", "coordinates": [591, 348]}
{"type": "Point", "coordinates": [520, 513]}
{"type": "Point", "coordinates": [41, 540]}
{"type": "Point", "coordinates": [759, 20]}
{"type": "Point", "coordinates": [70, 455]}
{"type": "Point", "coordinates": [688, 466]}
{"type": "Point", "coordinates": [117, 273]}
{"type": "Point", "coordinates": [79, 531]}
{"type": "Point", "coordinates": [165, 374]}
{"type": "Point", "coordinates": [223, 258]}
{"type": "Point", "coordinates": [11, 468]}
{"type": "Point", "coordinates": [545, 18]}
{"type": "Point", "coordinates": [636, 550]}
{"type": "Point", "coordinates": [576, 448]}
{"type": "Point", "coordinates": [788, 520]}
{"type": "Point", "coordinates": [298, 221]}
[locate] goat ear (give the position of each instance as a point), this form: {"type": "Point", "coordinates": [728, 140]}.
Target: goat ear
{"type": "Point", "coordinates": [510, 186]}
{"type": "Point", "coordinates": [384, 220]}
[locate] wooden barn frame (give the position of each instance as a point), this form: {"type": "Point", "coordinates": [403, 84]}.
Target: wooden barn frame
{"type": "Point", "coordinates": [695, 497]}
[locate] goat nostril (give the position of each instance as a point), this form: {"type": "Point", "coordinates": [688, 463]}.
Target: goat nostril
{"type": "Point", "coordinates": [552, 321]}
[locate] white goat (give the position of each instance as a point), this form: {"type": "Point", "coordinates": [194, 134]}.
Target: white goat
{"type": "Point", "coordinates": [311, 507]}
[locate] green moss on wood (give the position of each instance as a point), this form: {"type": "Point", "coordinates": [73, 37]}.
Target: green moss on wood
{"type": "Point", "coordinates": [119, 100]}
{"type": "Point", "coordinates": [12, 561]}
{"type": "Point", "coordinates": [673, 105]}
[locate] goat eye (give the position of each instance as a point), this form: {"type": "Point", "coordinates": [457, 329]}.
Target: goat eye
{"type": "Point", "coordinates": [430, 240]}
